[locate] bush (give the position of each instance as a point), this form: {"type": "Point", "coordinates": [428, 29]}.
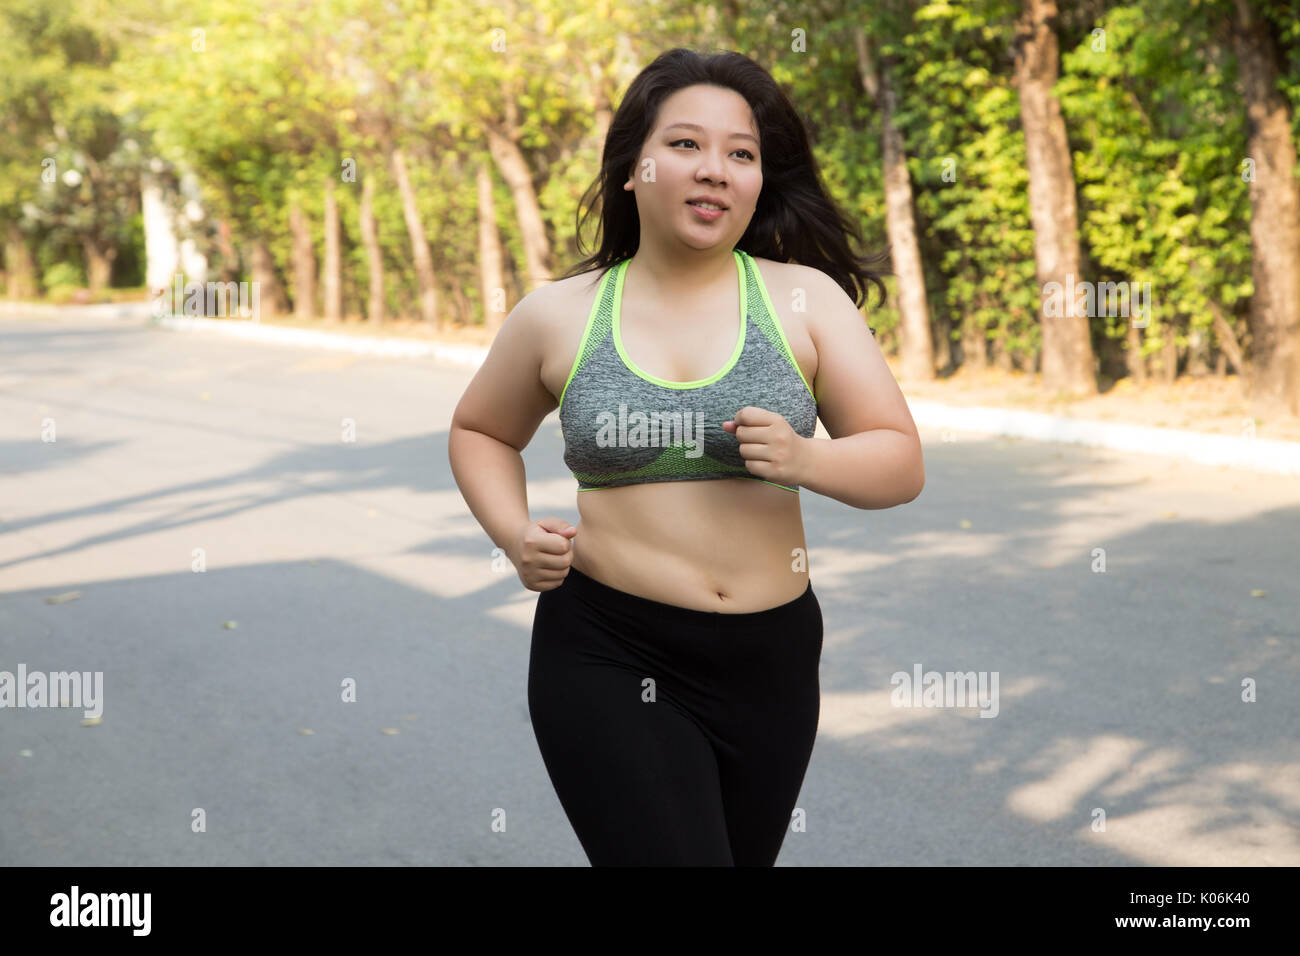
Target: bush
{"type": "Point", "coordinates": [63, 274]}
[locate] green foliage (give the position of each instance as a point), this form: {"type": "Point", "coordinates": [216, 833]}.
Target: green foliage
{"type": "Point", "coordinates": [1160, 139]}
{"type": "Point", "coordinates": [263, 101]}
{"type": "Point", "coordinates": [68, 159]}
{"type": "Point", "coordinates": [960, 116]}
{"type": "Point", "coordinates": [64, 275]}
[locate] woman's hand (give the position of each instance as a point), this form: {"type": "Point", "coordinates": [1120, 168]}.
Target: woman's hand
{"type": "Point", "coordinates": [543, 552]}
{"type": "Point", "coordinates": [771, 448]}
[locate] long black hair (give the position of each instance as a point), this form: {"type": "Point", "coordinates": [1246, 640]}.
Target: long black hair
{"type": "Point", "coordinates": [794, 220]}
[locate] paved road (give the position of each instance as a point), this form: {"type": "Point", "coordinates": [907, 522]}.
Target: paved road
{"type": "Point", "coordinates": [355, 560]}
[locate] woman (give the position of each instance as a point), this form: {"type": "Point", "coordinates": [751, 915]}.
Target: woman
{"type": "Point", "coordinates": [673, 674]}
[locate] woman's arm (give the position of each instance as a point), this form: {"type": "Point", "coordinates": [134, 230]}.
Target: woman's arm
{"type": "Point", "coordinates": [873, 458]}
{"type": "Point", "coordinates": [495, 420]}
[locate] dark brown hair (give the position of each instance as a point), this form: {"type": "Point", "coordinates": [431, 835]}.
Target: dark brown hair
{"type": "Point", "coordinates": [794, 220]}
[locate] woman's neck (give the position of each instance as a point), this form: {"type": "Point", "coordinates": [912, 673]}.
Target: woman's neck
{"type": "Point", "coordinates": [676, 278]}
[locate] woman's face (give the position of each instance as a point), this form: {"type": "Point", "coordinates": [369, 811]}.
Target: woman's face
{"type": "Point", "coordinates": [704, 143]}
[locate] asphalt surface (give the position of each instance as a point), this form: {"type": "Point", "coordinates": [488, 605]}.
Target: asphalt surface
{"type": "Point", "coordinates": [347, 563]}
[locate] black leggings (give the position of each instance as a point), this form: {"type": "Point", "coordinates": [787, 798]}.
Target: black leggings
{"type": "Point", "coordinates": [673, 737]}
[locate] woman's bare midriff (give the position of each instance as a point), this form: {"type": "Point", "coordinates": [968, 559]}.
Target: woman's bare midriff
{"type": "Point", "coordinates": [733, 545]}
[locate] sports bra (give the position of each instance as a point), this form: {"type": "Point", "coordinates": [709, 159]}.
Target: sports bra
{"type": "Point", "coordinates": [624, 426]}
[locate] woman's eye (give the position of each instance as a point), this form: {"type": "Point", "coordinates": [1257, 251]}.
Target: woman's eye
{"type": "Point", "coordinates": [745, 151]}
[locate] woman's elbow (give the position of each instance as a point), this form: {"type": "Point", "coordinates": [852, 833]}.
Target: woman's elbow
{"type": "Point", "coordinates": [918, 481]}
{"type": "Point", "coordinates": [920, 486]}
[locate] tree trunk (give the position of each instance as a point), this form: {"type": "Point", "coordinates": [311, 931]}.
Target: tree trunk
{"type": "Point", "coordinates": [1198, 354]}
{"type": "Point", "coordinates": [304, 263]}
{"type": "Point", "coordinates": [974, 347]}
{"type": "Point", "coordinates": [1137, 365]}
{"type": "Point", "coordinates": [374, 256]}
{"type": "Point", "coordinates": [99, 263]}
{"type": "Point", "coordinates": [514, 170]}
{"type": "Point", "coordinates": [602, 113]}
{"type": "Point", "coordinates": [229, 257]}
{"type": "Point", "coordinates": [492, 278]}
{"type": "Point", "coordinates": [419, 243]}
{"type": "Point", "coordinates": [1003, 361]}
{"type": "Point", "coordinates": [464, 309]}
{"type": "Point", "coordinates": [333, 256]}
{"type": "Point", "coordinates": [269, 290]}
{"type": "Point", "coordinates": [19, 265]}
{"type": "Point", "coordinates": [916, 345]}
{"type": "Point", "coordinates": [946, 348]}
{"type": "Point", "coordinates": [1067, 349]}
{"type": "Point", "coordinates": [1169, 355]}
{"type": "Point", "coordinates": [1274, 220]}
{"type": "Point", "coordinates": [1230, 350]}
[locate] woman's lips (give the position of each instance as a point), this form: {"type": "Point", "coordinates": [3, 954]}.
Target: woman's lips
{"type": "Point", "coordinates": [708, 215]}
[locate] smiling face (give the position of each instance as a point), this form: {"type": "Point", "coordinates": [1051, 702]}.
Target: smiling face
{"type": "Point", "coordinates": [704, 143]}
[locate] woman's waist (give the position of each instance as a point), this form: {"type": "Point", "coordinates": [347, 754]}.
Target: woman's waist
{"type": "Point", "coordinates": [711, 565]}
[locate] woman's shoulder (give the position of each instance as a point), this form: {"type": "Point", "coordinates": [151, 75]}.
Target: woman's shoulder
{"type": "Point", "coordinates": [816, 292]}
{"type": "Point", "coordinates": [792, 273]}
{"type": "Point", "coordinates": [553, 305]}
{"type": "Point", "coordinates": [558, 312]}
{"type": "Point", "coordinates": [798, 292]}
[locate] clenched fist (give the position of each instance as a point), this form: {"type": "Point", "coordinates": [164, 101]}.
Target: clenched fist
{"type": "Point", "coordinates": [543, 552]}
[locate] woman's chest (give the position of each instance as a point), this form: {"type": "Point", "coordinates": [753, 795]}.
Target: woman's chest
{"type": "Point", "coordinates": [674, 349]}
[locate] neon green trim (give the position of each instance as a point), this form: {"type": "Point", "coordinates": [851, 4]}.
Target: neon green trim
{"type": "Point", "coordinates": [668, 457]}
{"type": "Point", "coordinates": [720, 478]}
{"type": "Point", "coordinates": [699, 383]}
{"type": "Point", "coordinates": [586, 332]}
{"type": "Point", "coordinates": [786, 487]}
{"type": "Point", "coordinates": [789, 353]}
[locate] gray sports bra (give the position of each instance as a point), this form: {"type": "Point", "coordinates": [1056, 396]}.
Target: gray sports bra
{"type": "Point", "coordinates": [623, 426]}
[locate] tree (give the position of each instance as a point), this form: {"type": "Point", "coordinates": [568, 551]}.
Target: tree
{"type": "Point", "coordinates": [914, 314]}
{"type": "Point", "coordinates": [1148, 99]}
{"type": "Point", "coordinates": [72, 157]}
{"type": "Point", "coordinates": [1275, 215]}
{"type": "Point", "coordinates": [1067, 348]}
